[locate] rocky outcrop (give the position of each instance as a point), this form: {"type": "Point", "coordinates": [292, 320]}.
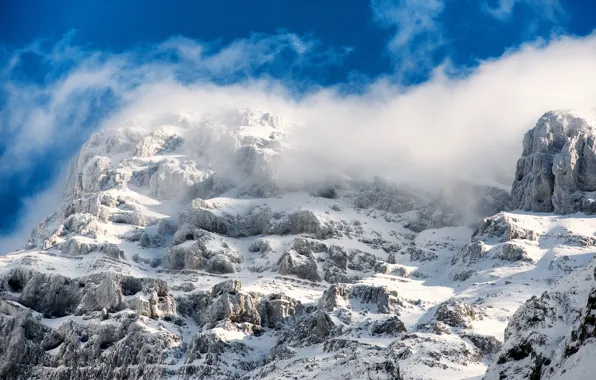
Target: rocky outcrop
{"type": "Point", "coordinates": [54, 295]}
{"type": "Point", "coordinates": [528, 345]}
{"type": "Point", "coordinates": [201, 254]}
{"type": "Point", "coordinates": [311, 329]}
{"type": "Point", "coordinates": [382, 299]}
{"type": "Point", "coordinates": [173, 179]}
{"type": "Point", "coordinates": [391, 326]}
{"type": "Point", "coordinates": [504, 227]}
{"type": "Point", "coordinates": [458, 314]}
{"type": "Point", "coordinates": [115, 350]}
{"type": "Point", "coordinates": [556, 170]}
{"type": "Point", "coordinates": [302, 266]}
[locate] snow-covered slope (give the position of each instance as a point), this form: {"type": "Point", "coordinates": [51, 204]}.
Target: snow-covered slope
{"type": "Point", "coordinates": [180, 250]}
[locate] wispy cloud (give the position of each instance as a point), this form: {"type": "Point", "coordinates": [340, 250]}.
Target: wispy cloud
{"type": "Point", "coordinates": [466, 127]}
{"type": "Point", "coordinates": [54, 95]}
{"type": "Point", "coordinates": [418, 32]}
{"type": "Point", "coordinates": [79, 84]}
{"type": "Point", "coordinates": [543, 10]}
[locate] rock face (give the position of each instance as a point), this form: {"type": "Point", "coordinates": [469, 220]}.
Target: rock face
{"type": "Point", "coordinates": [555, 172]}
{"type": "Point", "coordinates": [177, 253]}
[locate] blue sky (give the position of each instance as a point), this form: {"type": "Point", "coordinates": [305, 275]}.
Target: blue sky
{"type": "Point", "coordinates": [304, 46]}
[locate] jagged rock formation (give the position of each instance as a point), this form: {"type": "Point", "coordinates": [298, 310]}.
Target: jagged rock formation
{"type": "Point", "coordinates": [555, 172]}
{"type": "Point", "coordinates": [177, 254]}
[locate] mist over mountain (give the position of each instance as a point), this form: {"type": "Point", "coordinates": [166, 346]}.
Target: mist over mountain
{"type": "Point", "coordinates": [191, 245]}
{"type": "Point", "coordinates": [309, 190]}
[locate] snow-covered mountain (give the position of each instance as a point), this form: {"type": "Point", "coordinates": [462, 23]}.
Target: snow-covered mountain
{"type": "Point", "coordinates": [182, 249]}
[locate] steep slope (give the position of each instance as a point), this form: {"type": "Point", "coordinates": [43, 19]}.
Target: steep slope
{"type": "Point", "coordinates": [552, 335]}
{"type": "Point", "coordinates": [180, 252]}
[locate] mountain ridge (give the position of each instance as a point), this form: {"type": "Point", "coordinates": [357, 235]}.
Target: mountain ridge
{"type": "Point", "coordinates": [181, 250]}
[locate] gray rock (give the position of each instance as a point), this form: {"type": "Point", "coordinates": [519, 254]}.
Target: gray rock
{"type": "Point", "coordinates": [198, 256]}
{"type": "Point", "coordinates": [387, 301]}
{"type": "Point", "coordinates": [218, 359]}
{"type": "Point", "coordinates": [557, 169]}
{"type": "Point", "coordinates": [293, 263]}
{"type": "Point", "coordinates": [513, 252]}
{"type": "Point", "coordinates": [470, 253]}
{"type": "Point", "coordinates": [458, 314]}
{"type": "Point", "coordinates": [313, 328]}
{"type": "Point", "coordinates": [255, 222]}
{"type": "Point", "coordinates": [527, 345]}
{"type": "Point", "coordinates": [487, 344]}
{"type": "Point", "coordinates": [391, 326]}
{"type": "Point", "coordinates": [304, 222]}
{"type": "Point", "coordinates": [261, 246]}
{"type": "Point", "coordinates": [505, 228]}
{"type": "Point", "coordinates": [334, 296]}
{"type": "Point", "coordinates": [362, 261]}
{"type": "Point", "coordinates": [228, 286]}
{"type": "Point", "coordinates": [280, 308]}
{"type": "Point", "coordinates": [338, 256]}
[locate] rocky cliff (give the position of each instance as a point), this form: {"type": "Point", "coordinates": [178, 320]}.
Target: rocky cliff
{"type": "Point", "coordinates": [556, 170]}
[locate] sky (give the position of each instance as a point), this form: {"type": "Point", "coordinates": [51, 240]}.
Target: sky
{"type": "Point", "coordinates": [463, 79]}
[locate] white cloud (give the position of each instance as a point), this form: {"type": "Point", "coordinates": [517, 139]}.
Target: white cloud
{"type": "Point", "coordinates": [418, 32]}
{"type": "Point", "coordinates": [468, 127]}
{"type": "Point", "coordinates": [35, 209]}
{"type": "Point", "coordinates": [549, 10]}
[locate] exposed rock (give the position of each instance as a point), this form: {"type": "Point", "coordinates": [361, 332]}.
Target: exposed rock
{"type": "Point", "coordinates": [335, 296]}
{"type": "Point", "coordinates": [392, 326]}
{"type": "Point", "coordinates": [304, 222]}
{"type": "Point", "coordinates": [302, 266]}
{"type": "Point", "coordinates": [387, 301]}
{"type": "Point", "coordinates": [281, 307]}
{"type": "Point", "coordinates": [420, 254]}
{"type": "Point", "coordinates": [505, 228]}
{"type": "Point", "coordinates": [256, 221]}
{"type": "Point", "coordinates": [488, 344]}
{"type": "Point", "coordinates": [555, 172]}
{"type": "Point", "coordinates": [261, 246]}
{"type": "Point", "coordinates": [361, 261]}
{"type": "Point", "coordinates": [510, 251]}
{"type": "Point", "coordinates": [202, 255]}
{"type": "Point", "coordinates": [229, 286]}
{"type": "Point", "coordinates": [311, 329]}
{"type": "Point", "coordinates": [219, 359]}
{"type": "Point", "coordinates": [159, 141]}
{"type": "Point", "coordinates": [458, 314]}
{"type": "Point", "coordinates": [338, 256]}
{"type": "Point", "coordinates": [175, 180]}
{"type": "Point", "coordinates": [470, 253]}
{"type": "Point", "coordinates": [527, 346]}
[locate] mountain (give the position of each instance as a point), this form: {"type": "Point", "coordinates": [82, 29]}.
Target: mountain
{"type": "Point", "coordinates": [187, 247]}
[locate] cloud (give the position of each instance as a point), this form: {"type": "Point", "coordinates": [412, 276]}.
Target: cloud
{"type": "Point", "coordinates": [418, 32]}
{"type": "Point", "coordinates": [469, 126]}
{"type": "Point", "coordinates": [466, 126]}
{"type": "Point", "coordinates": [543, 10]}
{"type": "Point", "coordinates": [35, 209]}
{"type": "Point", "coordinates": [53, 115]}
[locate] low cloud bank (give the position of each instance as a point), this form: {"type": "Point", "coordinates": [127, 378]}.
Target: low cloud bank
{"type": "Point", "coordinates": [457, 125]}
